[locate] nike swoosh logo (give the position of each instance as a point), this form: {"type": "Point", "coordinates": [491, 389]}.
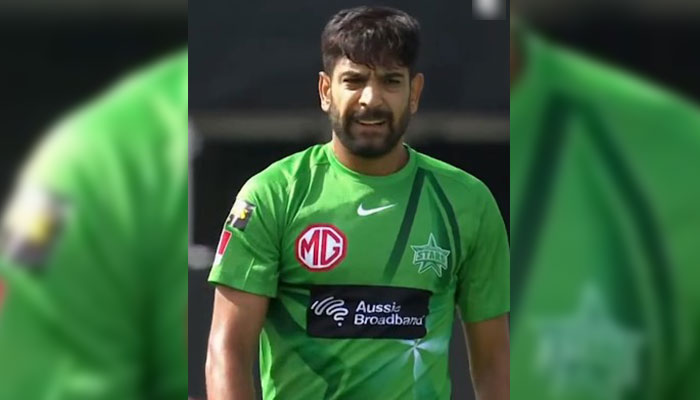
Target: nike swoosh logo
{"type": "Point", "coordinates": [363, 212]}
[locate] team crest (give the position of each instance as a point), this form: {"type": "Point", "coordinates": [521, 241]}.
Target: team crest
{"type": "Point", "coordinates": [430, 256]}
{"type": "Point", "coordinates": [321, 247]}
{"type": "Point", "coordinates": [589, 350]}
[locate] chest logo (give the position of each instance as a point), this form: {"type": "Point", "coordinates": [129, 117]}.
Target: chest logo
{"type": "Point", "coordinates": [430, 256]}
{"type": "Point", "coordinates": [321, 247]}
{"type": "Point", "coordinates": [363, 212]}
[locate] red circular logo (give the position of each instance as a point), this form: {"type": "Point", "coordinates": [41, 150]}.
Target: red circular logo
{"type": "Point", "coordinates": [321, 247]}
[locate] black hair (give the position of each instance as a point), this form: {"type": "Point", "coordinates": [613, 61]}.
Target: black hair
{"type": "Point", "coordinates": [371, 35]}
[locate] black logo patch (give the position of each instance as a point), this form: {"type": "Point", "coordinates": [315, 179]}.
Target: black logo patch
{"type": "Point", "coordinates": [378, 312]}
{"type": "Point", "coordinates": [240, 214]}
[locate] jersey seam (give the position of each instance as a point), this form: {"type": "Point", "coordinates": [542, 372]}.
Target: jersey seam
{"type": "Point", "coordinates": [451, 175]}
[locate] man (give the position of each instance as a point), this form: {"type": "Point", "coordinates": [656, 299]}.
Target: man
{"type": "Point", "coordinates": [93, 251]}
{"type": "Point", "coordinates": [347, 260]}
{"type": "Point", "coordinates": [604, 197]}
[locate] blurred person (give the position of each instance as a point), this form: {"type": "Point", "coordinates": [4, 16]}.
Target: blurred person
{"type": "Point", "coordinates": [347, 260]}
{"type": "Point", "coordinates": [604, 195]}
{"type": "Point", "coordinates": [93, 250]}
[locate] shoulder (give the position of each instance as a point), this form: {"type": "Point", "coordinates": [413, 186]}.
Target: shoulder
{"type": "Point", "coordinates": [452, 180]}
{"type": "Point", "coordinates": [281, 174]}
{"type": "Point", "coordinates": [146, 96]}
{"type": "Point", "coordinates": [140, 116]}
{"type": "Point", "coordinates": [607, 88]}
{"type": "Point", "coordinates": [653, 131]}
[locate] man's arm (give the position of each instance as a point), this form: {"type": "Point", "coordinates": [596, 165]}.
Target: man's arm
{"type": "Point", "coordinates": [236, 323]}
{"type": "Point", "coordinates": [489, 358]}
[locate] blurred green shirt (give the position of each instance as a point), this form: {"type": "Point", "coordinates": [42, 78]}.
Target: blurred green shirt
{"type": "Point", "coordinates": [606, 233]}
{"type": "Point", "coordinates": [93, 251]}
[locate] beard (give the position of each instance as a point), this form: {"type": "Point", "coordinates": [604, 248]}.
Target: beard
{"type": "Point", "coordinates": [369, 142]}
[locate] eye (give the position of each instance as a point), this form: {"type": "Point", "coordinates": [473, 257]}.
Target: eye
{"type": "Point", "coordinates": [392, 81]}
{"type": "Point", "coordinates": [352, 80]}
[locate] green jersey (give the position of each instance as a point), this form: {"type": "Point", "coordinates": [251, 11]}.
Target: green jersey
{"type": "Point", "coordinates": [605, 198]}
{"type": "Point", "coordinates": [93, 251]}
{"type": "Point", "coordinates": [364, 273]}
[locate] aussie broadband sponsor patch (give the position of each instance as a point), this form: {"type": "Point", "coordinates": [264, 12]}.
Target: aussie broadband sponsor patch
{"type": "Point", "coordinates": [380, 312]}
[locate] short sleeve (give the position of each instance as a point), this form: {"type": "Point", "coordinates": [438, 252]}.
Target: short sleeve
{"type": "Point", "coordinates": [75, 268]}
{"type": "Point", "coordinates": [483, 290]}
{"type": "Point", "coordinates": [248, 252]}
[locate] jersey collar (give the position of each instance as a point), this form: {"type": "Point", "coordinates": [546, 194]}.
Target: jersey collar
{"type": "Point", "coordinates": [407, 171]}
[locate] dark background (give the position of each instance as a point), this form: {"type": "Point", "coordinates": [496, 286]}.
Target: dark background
{"type": "Point", "coordinates": [265, 55]}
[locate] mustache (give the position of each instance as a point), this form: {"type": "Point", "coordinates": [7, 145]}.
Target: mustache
{"type": "Point", "coordinates": [372, 113]}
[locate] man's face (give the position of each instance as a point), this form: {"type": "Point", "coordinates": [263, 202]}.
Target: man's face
{"type": "Point", "coordinates": [369, 108]}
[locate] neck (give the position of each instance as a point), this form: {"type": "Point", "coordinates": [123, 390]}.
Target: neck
{"type": "Point", "coordinates": [387, 164]}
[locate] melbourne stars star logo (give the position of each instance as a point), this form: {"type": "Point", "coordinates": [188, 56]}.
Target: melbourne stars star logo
{"type": "Point", "coordinates": [588, 351]}
{"type": "Point", "coordinates": [430, 256]}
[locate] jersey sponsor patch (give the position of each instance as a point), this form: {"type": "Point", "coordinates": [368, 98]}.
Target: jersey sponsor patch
{"type": "Point", "coordinates": [321, 247]}
{"type": "Point", "coordinates": [240, 214]}
{"type": "Point", "coordinates": [375, 312]}
{"type": "Point", "coordinates": [32, 223]}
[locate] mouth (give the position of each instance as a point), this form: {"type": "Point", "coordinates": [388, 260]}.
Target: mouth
{"type": "Point", "coordinates": [374, 122]}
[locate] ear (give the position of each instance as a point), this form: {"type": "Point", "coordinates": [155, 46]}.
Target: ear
{"type": "Point", "coordinates": [416, 90]}
{"type": "Point", "coordinates": [324, 90]}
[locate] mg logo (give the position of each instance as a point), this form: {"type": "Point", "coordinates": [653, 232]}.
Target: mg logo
{"type": "Point", "coordinates": [321, 247]}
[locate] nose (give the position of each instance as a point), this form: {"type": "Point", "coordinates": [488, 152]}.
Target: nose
{"type": "Point", "coordinates": [371, 95]}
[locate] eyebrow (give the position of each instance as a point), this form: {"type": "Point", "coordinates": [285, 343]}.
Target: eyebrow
{"type": "Point", "coordinates": [393, 75]}
{"type": "Point", "coordinates": [356, 74]}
